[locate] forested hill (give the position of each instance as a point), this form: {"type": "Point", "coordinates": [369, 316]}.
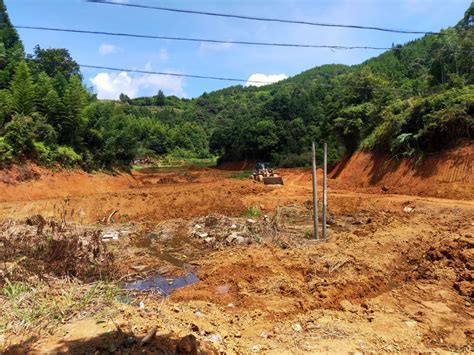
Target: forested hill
{"type": "Point", "coordinates": [414, 99]}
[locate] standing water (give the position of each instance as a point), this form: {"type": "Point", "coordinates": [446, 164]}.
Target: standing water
{"type": "Point", "coordinates": [163, 284]}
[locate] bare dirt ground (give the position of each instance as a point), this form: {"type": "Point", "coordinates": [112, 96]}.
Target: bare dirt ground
{"type": "Point", "coordinates": [396, 273]}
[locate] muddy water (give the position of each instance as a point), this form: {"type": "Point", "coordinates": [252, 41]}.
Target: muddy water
{"type": "Point", "coordinates": [173, 246]}
{"type": "Point", "coordinates": [162, 284]}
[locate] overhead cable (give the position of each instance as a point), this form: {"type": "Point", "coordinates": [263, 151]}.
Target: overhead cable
{"type": "Point", "coordinates": [265, 19]}
{"type": "Point", "coordinates": [218, 41]}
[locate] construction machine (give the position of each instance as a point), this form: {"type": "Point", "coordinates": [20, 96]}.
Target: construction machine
{"type": "Point", "coordinates": [264, 173]}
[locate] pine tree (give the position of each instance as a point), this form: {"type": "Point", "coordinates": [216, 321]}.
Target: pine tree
{"type": "Point", "coordinates": [74, 101]}
{"type": "Point", "coordinates": [54, 108]}
{"type": "Point", "coordinates": [11, 48]}
{"type": "Point", "coordinates": [23, 91]}
{"type": "Point", "coordinates": [160, 99]}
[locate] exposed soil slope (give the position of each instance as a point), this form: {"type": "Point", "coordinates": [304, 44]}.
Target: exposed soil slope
{"type": "Point", "coordinates": [449, 174]}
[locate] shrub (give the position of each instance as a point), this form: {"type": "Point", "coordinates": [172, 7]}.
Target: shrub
{"type": "Point", "coordinates": [19, 134]}
{"type": "Point", "coordinates": [6, 150]}
{"type": "Point", "coordinates": [292, 160]}
{"type": "Point", "coordinates": [43, 153]}
{"type": "Point", "coordinates": [66, 156]}
{"type": "Point", "coordinates": [252, 211]}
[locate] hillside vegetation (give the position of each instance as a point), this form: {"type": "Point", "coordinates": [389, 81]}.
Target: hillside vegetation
{"type": "Point", "coordinates": [414, 99]}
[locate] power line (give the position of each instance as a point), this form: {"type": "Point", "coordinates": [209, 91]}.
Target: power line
{"type": "Point", "coordinates": [266, 19]}
{"type": "Point", "coordinates": [207, 40]}
{"type": "Point", "coordinates": [399, 90]}
{"type": "Point", "coordinates": [174, 74]}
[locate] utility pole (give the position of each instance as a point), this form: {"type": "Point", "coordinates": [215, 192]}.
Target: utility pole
{"type": "Point", "coordinates": [325, 188]}
{"type": "Point", "coordinates": [315, 194]}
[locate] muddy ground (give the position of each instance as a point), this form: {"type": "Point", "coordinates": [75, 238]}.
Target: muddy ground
{"type": "Point", "coordinates": [394, 275]}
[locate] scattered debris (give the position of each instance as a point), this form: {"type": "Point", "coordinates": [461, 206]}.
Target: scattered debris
{"type": "Point", "coordinates": [150, 335]}
{"type": "Point", "coordinates": [297, 327]}
{"type": "Point", "coordinates": [49, 249]}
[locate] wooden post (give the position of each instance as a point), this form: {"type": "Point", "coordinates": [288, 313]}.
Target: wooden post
{"type": "Point", "coordinates": [325, 190]}
{"type": "Point", "coordinates": [315, 194]}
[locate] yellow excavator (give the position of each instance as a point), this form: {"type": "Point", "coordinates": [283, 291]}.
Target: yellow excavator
{"type": "Point", "coordinates": [264, 173]}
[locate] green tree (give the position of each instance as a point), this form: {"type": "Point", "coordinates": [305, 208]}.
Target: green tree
{"type": "Point", "coordinates": [6, 107]}
{"type": "Point", "coordinates": [11, 48]}
{"type": "Point", "coordinates": [160, 99]}
{"type": "Point", "coordinates": [23, 91]}
{"type": "Point", "coordinates": [73, 120]}
{"type": "Point", "coordinates": [53, 62]}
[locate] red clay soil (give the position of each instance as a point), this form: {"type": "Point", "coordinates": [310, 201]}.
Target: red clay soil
{"type": "Point", "coordinates": [31, 182]}
{"type": "Point", "coordinates": [449, 174]}
{"type": "Point", "coordinates": [159, 195]}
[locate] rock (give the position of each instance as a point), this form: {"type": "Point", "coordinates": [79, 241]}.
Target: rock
{"type": "Point", "coordinates": [110, 235]}
{"type": "Point", "coordinates": [234, 237]}
{"type": "Point", "coordinates": [198, 314]}
{"type": "Point", "coordinates": [411, 323]}
{"type": "Point", "coordinates": [138, 267]}
{"type": "Point", "coordinates": [149, 337]}
{"type": "Point", "coordinates": [202, 235]}
{"type": "Point", "coordinates": [187, 346]}
{"type": "Point", "coordinates": [264, 335]}
{"type": "Point", "coordinates": [222, 289]}
{"type": "Point", "coordinates": [197, 226]}
{"type": "Point", "coordinates": [234, 226]}
{"type": "Point", "coordinates": [408, 209]}
{"type": "Point", "coordinates": [215, 338]}
{"type": "Point", "coordinates": [347, 306]}
{"type": "Point", "coordinates": [297, 327]}
{"type": "Point", "coordinates": [210, 240]}
{"type": "Point", "coordinates": [194, 328]}
{"type": "Point", "coordinates": [142, 305]}
{"type": "Point", "coordinates": [241, 240]}
{"type": "Point", "coordinates": [251, 221]}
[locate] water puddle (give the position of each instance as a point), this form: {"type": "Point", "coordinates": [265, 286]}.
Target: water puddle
{"type": "Point", "coordinates": [162, 284]}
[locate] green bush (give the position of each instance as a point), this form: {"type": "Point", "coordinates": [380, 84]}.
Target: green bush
{"type": "Point", "coordinates": [66, 156]}
{"type": "Point", "coordinates": [292, 160]}
{"type": "Point", "coordinates": [6, 150]}
{"type": "Point", "coordinates": [19, 134]}
{"type": "Point", "coordinates": [43, 153]}
{"type": "Point", "coordinates": [252, 211]}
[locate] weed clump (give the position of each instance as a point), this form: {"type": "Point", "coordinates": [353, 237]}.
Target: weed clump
{"type": "Point", "coordinates": [43, 250]}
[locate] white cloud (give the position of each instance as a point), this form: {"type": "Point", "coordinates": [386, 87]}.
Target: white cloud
{"type": "Point", "coordinates": [216, 46]}
{"type": "Point", "coordinates": [163, 55]}
{"type": "Point", "coordinates": [111, 85]}
{"type": "Point", "coordinates": [264, 79]}
{"type": "Point", "coordinates": [106, 49]}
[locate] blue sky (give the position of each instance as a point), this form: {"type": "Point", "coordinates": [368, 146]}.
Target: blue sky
{"type": "Point", "coordinates": [219, 60]}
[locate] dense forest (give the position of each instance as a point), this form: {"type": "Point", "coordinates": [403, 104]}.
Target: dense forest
{"type": "Point", "coordinates": [414, 99]}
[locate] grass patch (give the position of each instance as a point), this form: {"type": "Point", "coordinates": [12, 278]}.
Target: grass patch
{"type": "Point", "coordinates": [241, 175]}
{"type": "Point", "coordinates": [252, 211]}
{"type": "Point", "coordinates": [172, 163]}
{"type": "Point", "coordinates": [42, 307]}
